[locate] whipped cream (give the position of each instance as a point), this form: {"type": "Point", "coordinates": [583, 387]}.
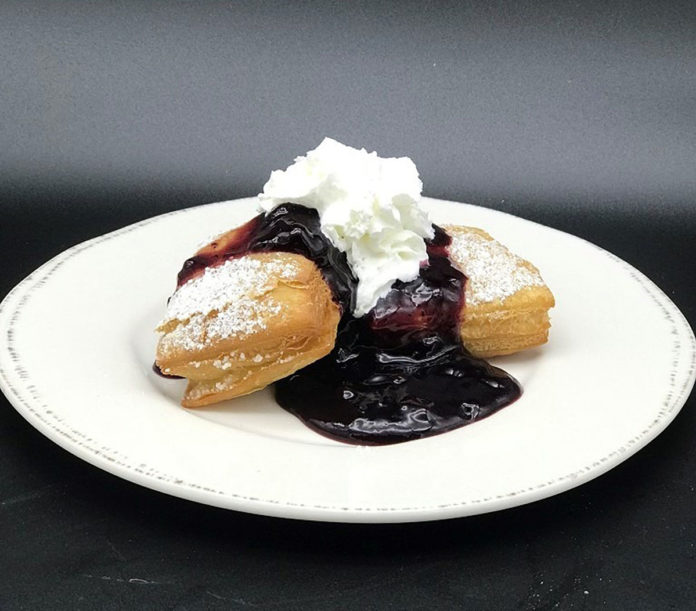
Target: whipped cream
{"type": "Point", "coordinates": [369, 207]}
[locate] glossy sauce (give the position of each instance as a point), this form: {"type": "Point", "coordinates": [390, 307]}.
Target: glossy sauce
{"type": "Point", "coordinates": [288, 228]}
{"type": "Point", "coordinates": [395, 374]}
{"type": "Point", "coordinates": [169, 376]}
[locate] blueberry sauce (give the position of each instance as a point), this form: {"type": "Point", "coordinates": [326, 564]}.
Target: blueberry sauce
{"type": "Point", "coordinates": [159, 372]}
{"type": "Point", "coordinates": [400, 372]}
{"type": "Point", "coordinates": [287, 228]}
{"type": "Point", "coordinates": [396, 374]}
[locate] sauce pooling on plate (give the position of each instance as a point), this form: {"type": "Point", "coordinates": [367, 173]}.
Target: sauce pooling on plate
{"type": "Point", "coordinates": [396, 374]}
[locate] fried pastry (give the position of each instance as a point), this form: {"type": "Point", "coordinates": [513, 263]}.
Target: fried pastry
{"type": "Point", "coordinates": [507, 302]}
{"type": "Point", "coordinates": [245, 323]}
{"type": "Point", "coordinates": [238, 326]}
{"type": "Point", "coordinates": [370, 320]}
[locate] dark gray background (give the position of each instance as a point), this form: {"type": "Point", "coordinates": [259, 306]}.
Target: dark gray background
{"type": "Point", "coordinates": [579, 115]}
{"type": "Point", "coordinates": [584, 103]}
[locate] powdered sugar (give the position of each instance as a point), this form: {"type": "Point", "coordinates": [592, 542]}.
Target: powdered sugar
{"type": "Point", "coordinates": [223, 302]}
{"type": "Point", "coordinates": [493, 272]}
{"type": "Point", "coordinates": [224, 284]}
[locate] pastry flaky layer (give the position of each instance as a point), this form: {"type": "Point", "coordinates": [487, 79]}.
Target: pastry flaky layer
{"type": "Point", "coordinates": [258, 318]}
{"type": "Point", "coordinates": [506, 300]}
{"type": "Point", "coordinates": [246, 323]}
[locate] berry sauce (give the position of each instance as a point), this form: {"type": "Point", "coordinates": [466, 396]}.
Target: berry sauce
{"type": "Point", "coordinates": [287, 228]}
{"type": "Point", "coordinates": [396, 374]}
{"type": "Point", "coordinates": [169, 376]}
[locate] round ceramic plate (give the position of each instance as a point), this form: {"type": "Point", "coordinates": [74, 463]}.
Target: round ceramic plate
{"type": "Point", "coordinates": [79, 344]}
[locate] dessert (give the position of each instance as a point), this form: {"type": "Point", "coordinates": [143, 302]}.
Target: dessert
{"type": "Point", "coordinates": [346, 296]}
{"type": "Point", "coordinates": [507, 302]}
{"type": "Point", "coordinates": [245, 324]}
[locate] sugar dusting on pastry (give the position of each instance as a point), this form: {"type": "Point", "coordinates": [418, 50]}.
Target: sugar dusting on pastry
{"type": "Point", "coordinates": [369, 207]}
{"type": "Point", "coordinates": [493, 272]}
{"type": "Point", "coordinates": [224, 284]}
{"type": "Point", "coordinates": [222, 302]}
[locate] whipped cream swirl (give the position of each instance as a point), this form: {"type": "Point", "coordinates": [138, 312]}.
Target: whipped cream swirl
{"type": "Point", "coordinates": [369, 207]}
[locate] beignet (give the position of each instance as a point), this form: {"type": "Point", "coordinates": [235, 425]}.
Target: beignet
{"type": "Point", "coordinates": [246, 323]}
{"type": "Point", "coordinates": [242, 324]}
{"type": "Point", "coordinates": [506, 300]}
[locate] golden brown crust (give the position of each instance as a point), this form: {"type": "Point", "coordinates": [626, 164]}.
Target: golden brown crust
{"type": "Point", "coordinates": [294, 323]}
{"type": "Point", "coordinates": [495, 323]}
{"type": "Point", "coordinates": [281, 316]}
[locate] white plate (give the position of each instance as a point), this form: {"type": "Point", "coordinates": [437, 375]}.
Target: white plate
{"type": "Point", "coordinates": [79, 346]}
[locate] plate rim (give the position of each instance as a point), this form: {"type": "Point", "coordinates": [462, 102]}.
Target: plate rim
{"type": "Point", "coordinates": [18, 296]}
